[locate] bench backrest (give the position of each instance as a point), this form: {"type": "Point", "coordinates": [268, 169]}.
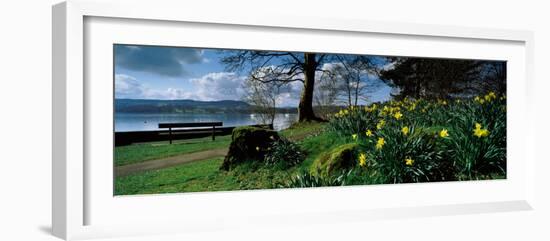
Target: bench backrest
{"type": "Point", "coordinates": [193, 124]}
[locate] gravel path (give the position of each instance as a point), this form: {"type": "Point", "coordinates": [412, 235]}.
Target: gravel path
{"type": "Point", "coordinates": [125, 170]}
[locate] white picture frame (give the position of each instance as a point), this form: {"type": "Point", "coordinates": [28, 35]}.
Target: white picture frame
{"type": "Point", "coordinates": [76, 191]}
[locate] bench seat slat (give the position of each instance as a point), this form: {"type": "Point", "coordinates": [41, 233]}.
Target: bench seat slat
{"type": "Point", "coordinates": [193, 124]}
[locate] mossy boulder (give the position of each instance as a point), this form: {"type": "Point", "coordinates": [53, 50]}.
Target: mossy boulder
{"type": "Point", "coordinates": [248, 144]}
{"type": "Point", "coordinates": [340, 158]}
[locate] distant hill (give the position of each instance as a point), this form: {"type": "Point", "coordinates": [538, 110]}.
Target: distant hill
{"type": "Point", "coordinates": [185, 106]}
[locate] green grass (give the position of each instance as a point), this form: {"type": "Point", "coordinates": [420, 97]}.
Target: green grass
{"type": "Point", "coordinates": [299, 131]}
{"type": "Point", "coordinates": [315, 145]}
{"type": "Point", "coordinates": [174, 179]}
{"type": "Point", "coordinates": [201, 176]}
{"type": "Point", "coordinates": [136, 153]}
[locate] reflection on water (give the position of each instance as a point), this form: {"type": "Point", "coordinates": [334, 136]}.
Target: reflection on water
{"type": "Point", "coordinates": [142, 122]}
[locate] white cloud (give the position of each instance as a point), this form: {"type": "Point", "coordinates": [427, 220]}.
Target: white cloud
{"type": "Point", "coordinates": [166, 94]}
{"type": "Point", "coordinates": [127, 86]}
{"type": "Point", "coordinates": [210, 87]}
{"type": "Point", "coordinates": [389, 66]}
{"type": "Point", "coordinates": [218, 86]}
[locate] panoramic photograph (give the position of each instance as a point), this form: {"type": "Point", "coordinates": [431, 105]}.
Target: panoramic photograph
{"type": "Point", "coordinates": [200, 120]}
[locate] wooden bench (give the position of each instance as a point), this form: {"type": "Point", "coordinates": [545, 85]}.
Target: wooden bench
{"type": "Point", "coordinates": [172, 126]}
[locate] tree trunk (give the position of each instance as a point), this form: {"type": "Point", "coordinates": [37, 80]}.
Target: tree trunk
{"type": "Point", "coordinates": [305, 108]}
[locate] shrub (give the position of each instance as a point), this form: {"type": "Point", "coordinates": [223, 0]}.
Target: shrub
{"type": "Point", "coordinates": [248, 144]}
{"type": "Point", "coordinates": [284, 153]}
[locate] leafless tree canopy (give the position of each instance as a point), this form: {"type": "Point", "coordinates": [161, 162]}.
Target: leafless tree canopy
{"type": "Point", "coordinates": [347, 76]}
{"type": "Point", "coordinates": [263, 96]}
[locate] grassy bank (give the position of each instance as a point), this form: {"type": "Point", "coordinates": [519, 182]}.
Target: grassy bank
{"type": "Point", "coordinates": [200, 176]}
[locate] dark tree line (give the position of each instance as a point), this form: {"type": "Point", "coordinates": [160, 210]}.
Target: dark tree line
{"type": "Point", "coordinates": [443, 78]}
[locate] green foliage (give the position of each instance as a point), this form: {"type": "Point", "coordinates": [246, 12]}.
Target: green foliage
{"type": "Point", "coordinates": [306, 179]}
{"type": "Point", "coordinates": [284, 153]}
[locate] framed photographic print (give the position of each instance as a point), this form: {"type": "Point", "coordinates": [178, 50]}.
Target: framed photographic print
{"type": "Point", "coordinates": [172, 121]}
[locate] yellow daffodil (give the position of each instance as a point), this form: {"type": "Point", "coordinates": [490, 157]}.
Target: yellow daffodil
{"type": "Point", "coordinates": [380, 124]}
{"type": "Point", "coordinates": [362, 159]}
{"type": "Point", "coordinates": [490, 96]}
{"type": "Point", "coordinates": [398, 115]}
{"type": "Point", "coordinates": [480, 132]}
{"type": "Point", "coordinates": [444, 133]}
{"type": "Point", "coordinates": [479, 100]}
{"type": "Point", "coordinates": [405, 130]}
{"type": "Point", "coordinates": [369, 133]}
{"type": "Point", "coordinates": [380, 143]}
{"type": "Point", "coordinates": [354, 136]}
{"type": "Point", "coordinates": [409, 161]}
{"type": "Point", "coordinates": [412, 107]}
{"type": "Point", "coordinates": [477, 125]}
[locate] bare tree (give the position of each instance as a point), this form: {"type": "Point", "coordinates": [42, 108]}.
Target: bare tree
{"type": "Point", "coordinates": [281, 68]}
{"type": "Point", "coordinates": [263, 98]}
{"type": "Point", "coordinates": [350, 76]}
{"type": "Point", "coordinates": [325, 95]}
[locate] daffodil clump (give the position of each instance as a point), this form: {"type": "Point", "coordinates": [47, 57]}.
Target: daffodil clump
{"type": "Point", "coordinates": [369, 133]}
{"type": "Point", "coordinates": [478, 132]}
{"type": "Point", "coordinates": [444, 133]}
{"type": "Point", "coordinates": [380, 143]}
{"type": "Point", "coordinates": [405, 130]}
{"type": "Point", "coordinates": [409, 161]}
{"type": "Point", "coordinates": [416, 140]}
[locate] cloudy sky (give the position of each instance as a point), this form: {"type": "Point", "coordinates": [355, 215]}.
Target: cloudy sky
{"type": "Point", "coordinates": [151, 72]}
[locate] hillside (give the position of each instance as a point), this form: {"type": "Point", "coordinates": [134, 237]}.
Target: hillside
{"type": "Point", "coordinates": [185, 106]}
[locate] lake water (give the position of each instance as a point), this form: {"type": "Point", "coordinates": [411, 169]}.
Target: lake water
{"type": "Point", "coordinates": [143, 122]}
